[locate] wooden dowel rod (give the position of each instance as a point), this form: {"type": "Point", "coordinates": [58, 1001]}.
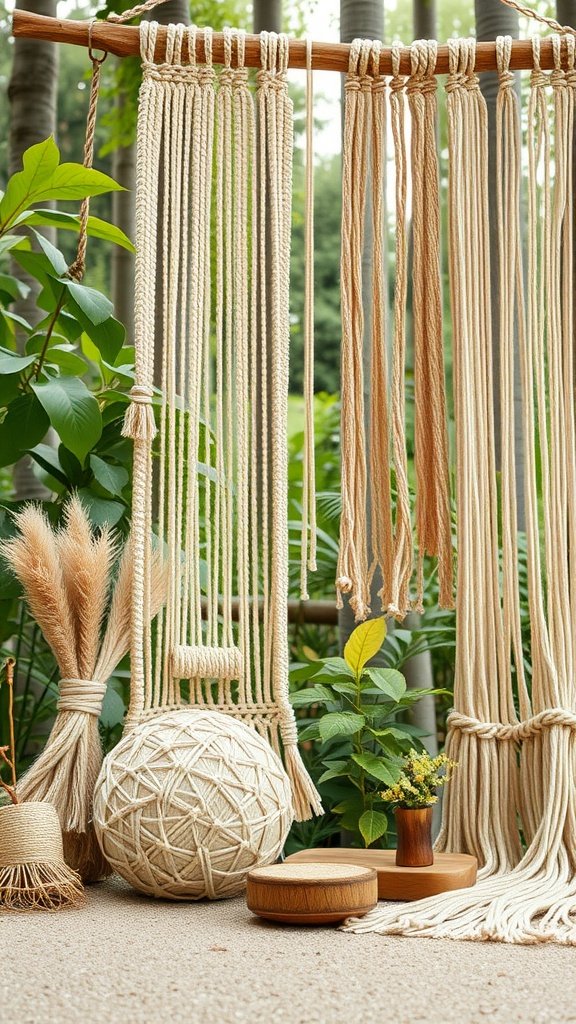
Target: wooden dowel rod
{"type": "Point", "coordinates": [123, 40]}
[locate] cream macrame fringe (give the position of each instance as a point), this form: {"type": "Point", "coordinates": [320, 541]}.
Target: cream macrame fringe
{"type": "Point", "coordinates": [33, 873]}
{"type": "Point", "coordinates": [225, 159]}
{"type": "Point", "coordinates": [385, 546]}
{"type": "Point", "coordinates": [511, 770]}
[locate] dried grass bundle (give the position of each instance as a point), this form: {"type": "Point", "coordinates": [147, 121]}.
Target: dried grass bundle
{"type": "Point", "coordinates": [67, 580]}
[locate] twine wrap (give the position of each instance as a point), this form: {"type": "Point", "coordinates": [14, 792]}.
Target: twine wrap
{"type": "Point", "coordinates": [82, 695]}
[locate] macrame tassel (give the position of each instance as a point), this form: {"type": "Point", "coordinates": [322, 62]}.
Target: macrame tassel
{"type": "Point", "coordinates": [305, 799]}
{"type": "Point", "coordinates": [33, 874]}
{"type": "Point", "coordinates": [139, 422]}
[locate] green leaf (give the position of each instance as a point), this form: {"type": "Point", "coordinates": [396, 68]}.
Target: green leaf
{"type": "Point", "coordinates": [47, 457]}
{"type": "Point", "coordinates": [364, 642]}
{"type": "Point", "coordinates": [332, 668]}
{"type": "Point", "coordinates": [340, 723]}
{"type": "Point", "coordinates": [38, 165]}
{"type": "Point", "coordinates": [373, 825]}
{"type": "Point", "coordinates": [15, 364]}
{"type": "Point", "coordinates": [57, 261]}
{"type": "Point", "coordinates": [112, 709]}
{"type": "Point", "coordinates": [389, 681]}
{"type": "Point", "coordinates": [108, 336]}
{"type": "Point", "coordinates": [335, 770]}
{"type": "Point", "coordinates": [67, 360]}
{"type": "Point", "coordinates": [12, 288]}
{"type": "Point", "coordinates": [376, 767]}
{"type": "Point", "coordinates": [112, 478]}
{"type": "Point", "coordinates": [73, 411]}
{"type": "Point", "coordinates": [71, 222]}
{"type": "Point", "coordinates": [101, 511]}
{"type": "Point", "coordinates": [24, 425]}
{"type": "Point", "coordinates": [7, 242]}
{"type": "Point", "coordinates": [311, 695]}
{"type": "Point", "coordinates": [95, 306]}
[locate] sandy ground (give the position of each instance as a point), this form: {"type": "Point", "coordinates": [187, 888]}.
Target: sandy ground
{"type": "Point", "coordinates": [125, 959]}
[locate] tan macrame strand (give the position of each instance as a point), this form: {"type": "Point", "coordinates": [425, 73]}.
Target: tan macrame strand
{"type": "Point", "coordinates": [511, 768]}
{"type": "Point", "coordinates": [222, 508]}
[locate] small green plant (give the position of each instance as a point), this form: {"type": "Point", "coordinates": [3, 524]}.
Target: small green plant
{"type": "Point", "coordinates": [354, 718]}
{"type": "Point", "coordinates": [421, 776]}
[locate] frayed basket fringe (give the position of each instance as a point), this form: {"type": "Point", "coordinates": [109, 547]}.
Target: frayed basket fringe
{"type": "Point", "coordinates": [39, 886]}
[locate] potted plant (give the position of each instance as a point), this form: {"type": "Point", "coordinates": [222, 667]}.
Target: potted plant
{"type": "Point", "coordinates": [414, 794]}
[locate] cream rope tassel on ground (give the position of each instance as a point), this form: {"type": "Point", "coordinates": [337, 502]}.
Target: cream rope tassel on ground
{"type": "Point", "coordinates": [535, 901]}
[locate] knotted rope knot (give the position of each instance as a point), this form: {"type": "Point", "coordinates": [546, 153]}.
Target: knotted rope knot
{"type": "Point", "coordinates": [141, 394]}
{"type": "Point", "coordinates": [503, 54]}
{"type": "Point", "coordinates": [344, 584]}
{"type": "Point", "coordinates": [397, 83]}
{"type": "Point", "coordinates": [227, 77]}
{"type": "Point", "coordinates": [366, 83]}
{"type": "Point", "coordinates": [456, 80]}
{"type": "Point", "coordinates": [240, 76]}
{"type": "Point", "coordinates": [538, 80]}
{"type": "Point", "coordinates": [558, 79]}
{"type": "Point", "coordinates": [513, 731]}
{"type": "Point", "coordinates": [83, 695]}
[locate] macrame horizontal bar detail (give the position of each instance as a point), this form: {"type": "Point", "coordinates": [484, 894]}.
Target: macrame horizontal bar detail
{"type": "Point", "coordinates": [84, 695]}
{"type": "Point", "coordinates": [207, 662]}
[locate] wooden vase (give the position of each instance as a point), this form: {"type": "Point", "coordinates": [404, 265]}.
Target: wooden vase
{"type": "Point", "coordinates": [414, 833]}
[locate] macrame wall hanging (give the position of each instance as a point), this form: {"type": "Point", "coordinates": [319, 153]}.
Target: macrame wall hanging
{"type": "Point", "coordinates": [512, 802]}
{"type": "Point", "coordinates": [212, 157]}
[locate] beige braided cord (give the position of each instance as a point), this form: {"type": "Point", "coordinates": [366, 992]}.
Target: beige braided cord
{"type": "Point", "coordinates": [402, 549]}
{"type": "Point", "coordinates": [433, 523]}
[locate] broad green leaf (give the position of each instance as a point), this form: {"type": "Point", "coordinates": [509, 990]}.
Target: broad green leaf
{"type": "Point", "coordinates": [340, 723]}
{"type": "Point", "coordinates": [389, 681]}
{"type": "Point", "coordinates": [17, 319]}
{"type": "Point", "coordinates": [39, 163]}
{"type": "Point", "coordinates": [311, 695]}
{"type": "Point", "coordinates": [350, 810]}
{"type": "Point", "coordinates": [335, 770]}
{"type": "Point", "coordinates": [112, 478]}
{"type": "Point", "coordinates": [73, 411]}
{"type": "Point", "coordinates": [47, 457]}
{"type": "Point", "coordinates": [24, 425]}
{"type": "Point", "coordinates": [365, 641]}
{"type": "Point", "coordinates": [112, 709]}
{"type": "Point", "coordinates": [377, 768]}
{"type": "Point", "coordinates": [332, 668]}
{"type": "Point", "coordinates": [373, 825]}
{"type": "Point", "coordinates": [101, 511]}
{"type": "Point", "coordinates": [71, 466]}
{"type": "Point", "coordinates": [7, 242]}
{"type": "Point", "coordinates": [67, 360]}
{"type": "Point", "coordinates": [95, 306]}
{"type": "Point", "coordinates": [55, 257]}
{"type": "Point", "coordinates": [107, 337]}
{"type": "Point", "coordinates": [309, 732]}
{"type": "Point", "coordinates": [12, 288]}
{"type": "Point", "coordinates": [15, 364]}
{"type": "Point", "coordinates": [71, 222]}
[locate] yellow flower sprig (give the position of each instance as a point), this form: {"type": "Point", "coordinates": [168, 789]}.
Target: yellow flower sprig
{"type": "Point", "coordinates": [418, 782]}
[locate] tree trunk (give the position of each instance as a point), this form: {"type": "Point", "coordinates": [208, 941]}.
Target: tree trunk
{"type": "Point", "coordinates": [494, 19]}
{"type": "Point", "coordinates": [424, 19]}
{"type": "Point", "coordinates": [123, 207]}
{"type": "Point", "coordinates": [362, 19]}
{"type": "Point", "coordinates": [32, 94]}
{"type": "Point", "coordinates": [267, 16]}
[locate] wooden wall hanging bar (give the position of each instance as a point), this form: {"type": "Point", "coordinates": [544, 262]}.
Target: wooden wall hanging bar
{"type": "Point", "coordinates": [123, 40]}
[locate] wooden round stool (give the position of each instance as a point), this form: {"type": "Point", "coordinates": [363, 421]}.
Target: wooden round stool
{"type": "Point", "coordinates": [311, 893]}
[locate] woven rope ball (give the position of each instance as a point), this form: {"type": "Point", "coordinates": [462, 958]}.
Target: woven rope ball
{"type": "Point", "coordinates": [188, 802]}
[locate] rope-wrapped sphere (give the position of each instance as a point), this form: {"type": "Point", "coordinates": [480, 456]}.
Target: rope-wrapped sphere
{"type": "Point", "coordinates": [189, 802]}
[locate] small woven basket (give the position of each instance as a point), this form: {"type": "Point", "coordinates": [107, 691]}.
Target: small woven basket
{"type": "Point", "coordinates": [33, 873]}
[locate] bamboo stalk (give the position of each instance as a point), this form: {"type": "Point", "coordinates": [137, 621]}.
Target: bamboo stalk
{"type": "Point", "coordinates": [123, 41]}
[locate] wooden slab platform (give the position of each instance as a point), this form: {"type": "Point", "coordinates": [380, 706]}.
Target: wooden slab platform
{"type": "Point", "coordinates": [304, 893]}
{"type": "Point", "coordinates": [449, 871]}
